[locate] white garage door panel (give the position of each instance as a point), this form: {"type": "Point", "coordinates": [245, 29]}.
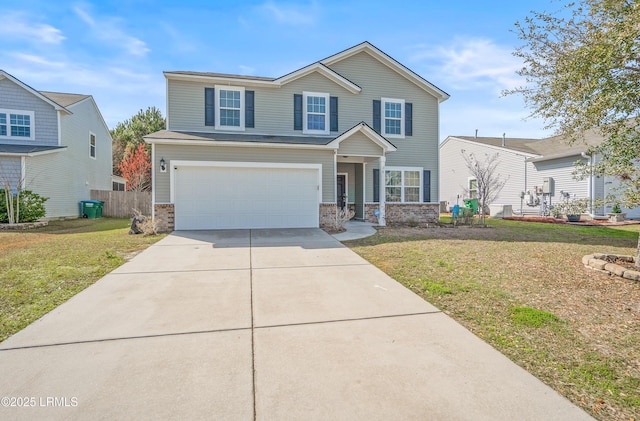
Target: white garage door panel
{"type": "Point", "coordinates": [231, 197]}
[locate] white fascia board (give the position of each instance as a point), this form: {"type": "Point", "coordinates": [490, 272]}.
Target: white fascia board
{"type": "Point", "coordinates": [230, 143]}
{"type": "Point", "coordinates": [367, 131]}
{"type": "Point", "coordinates": [391, 63]}
{"type": "Point", "coordinates": [323, 70]}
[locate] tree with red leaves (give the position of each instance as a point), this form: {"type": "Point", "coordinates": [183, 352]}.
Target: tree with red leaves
{"type": "Point", "coordinates": [135, 167]}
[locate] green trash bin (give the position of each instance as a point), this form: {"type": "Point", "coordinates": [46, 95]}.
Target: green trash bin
{"type": "Point", "coordinates": [91, 209]}
{"type": "Point", "coordinates": [99, 207]}
{"type": "Point", "coordinates": [472, 204]}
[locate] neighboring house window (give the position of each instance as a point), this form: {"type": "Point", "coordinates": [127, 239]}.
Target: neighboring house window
{"type": "Point", "coordinates": [92, 145]}
{"type": "Point", "coordinates": [473, 188]}
{"type": "Point", "coordinates": [316, 113]}
{"type": "Point", "coordinates": [117, 186]}
{"type": "Point", "coordinates": [393, 118]}
{"type": "Point", "coordinates": [230, 108]}
{"type": "Point", "coordinates": [16, 124]}
{"type": "Point", "coordinates": [403, 184]}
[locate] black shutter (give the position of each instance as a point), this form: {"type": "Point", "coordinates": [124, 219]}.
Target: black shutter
{"type": "Point", "coordinates": [376, 185]}
{"type": "Point", "coordinates": [426, 186]}
{"type": "Point", "coordinates": [249, 115]}
{"type": "Point", "coordinates": [408, 119]}
{"type": "Point", "coordinates": [297, 112]}
{"type": "Point", "coordinates": [209, 107]}
{"type": "Point", "coordinates": [376, 116]}
{"type": "Point", "coordinates": [333, 113]}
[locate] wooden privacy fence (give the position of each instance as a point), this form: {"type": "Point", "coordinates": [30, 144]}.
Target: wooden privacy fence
{"type": "Point", "coordinates": [120, 204]}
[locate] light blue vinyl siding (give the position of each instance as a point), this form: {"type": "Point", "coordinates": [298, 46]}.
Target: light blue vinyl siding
{"type": "Point", "coordinates": [45, 122]}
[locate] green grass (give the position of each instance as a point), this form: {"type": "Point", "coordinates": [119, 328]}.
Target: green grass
{"type": "Point", "coordinates": [532, 317]}
{"type": "Point", "coordinates": [522, 288]}
{"type": "Point", "coordinates": [42, 268]}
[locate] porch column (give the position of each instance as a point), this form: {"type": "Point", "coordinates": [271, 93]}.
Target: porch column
{"type": "Point", "coordinates": [382, 195]}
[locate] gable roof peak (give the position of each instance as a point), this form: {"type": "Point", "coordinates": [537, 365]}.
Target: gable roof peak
{"type": "Point", "coordinates": [390, 62]}
{"type": "Point", "coordinates": [54, 104]}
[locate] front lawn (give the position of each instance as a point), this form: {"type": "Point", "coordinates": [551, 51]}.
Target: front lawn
{"type": "Point", "coordinates": [42, 268]}
{"type": "Point", "coordinates": [522, 288]}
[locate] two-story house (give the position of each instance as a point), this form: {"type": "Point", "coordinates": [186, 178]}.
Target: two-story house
{"type": "Point", "coordinates": [355, 129]}
{"type": "Point", "coordinates": [54, 144]}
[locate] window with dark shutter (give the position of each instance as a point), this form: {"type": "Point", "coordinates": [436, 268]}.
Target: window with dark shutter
{"type": "Point", "coordinates": [408, 119]}
{"type": "Point", "coordinates": [297, 111]}
{"type": "Point", "coordinates": [376, 116]}
{"type": "Point", "coordinates": [426, 185]}
{"type": "Point", "coordinates": [209, 107]}
{"type": "Point", "coordinates": [249, 115]}
{"type": "Point", "coordinates": [333, 112]}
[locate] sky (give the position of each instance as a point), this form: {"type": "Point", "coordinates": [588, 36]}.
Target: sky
{"type": "Point", "coordinates": [117, 50]}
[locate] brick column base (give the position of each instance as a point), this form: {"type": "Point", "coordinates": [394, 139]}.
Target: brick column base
{"type": "Point", "coordinates": [164, 215]}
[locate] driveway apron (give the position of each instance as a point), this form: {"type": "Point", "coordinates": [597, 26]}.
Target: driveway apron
{"type": "Point", "coordinates": [260, 324]}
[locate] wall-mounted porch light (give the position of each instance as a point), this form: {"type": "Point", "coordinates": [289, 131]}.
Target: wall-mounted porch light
{"type": "Point", "coordinates": [163, 165]}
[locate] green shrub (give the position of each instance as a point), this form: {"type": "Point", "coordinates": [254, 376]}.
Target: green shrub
{"type": "Point", "coordinates": [31, 206]}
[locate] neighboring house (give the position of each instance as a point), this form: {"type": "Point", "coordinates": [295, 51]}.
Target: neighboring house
{"type": "Point", "coordinates": [356, 128]}
{"type": "Point", "coordinates": [54, 144]}
{"type": "Point", "coordinates": [537, 172]}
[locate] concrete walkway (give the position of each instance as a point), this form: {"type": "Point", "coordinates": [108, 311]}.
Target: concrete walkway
{"type": "Point", "coordinates": [355, 230]}
{"type": "Point", "coordinates": [261, 324]}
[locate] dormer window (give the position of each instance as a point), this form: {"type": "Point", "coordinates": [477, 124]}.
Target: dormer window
{"type": "Point", "coordinates": [16, 124]}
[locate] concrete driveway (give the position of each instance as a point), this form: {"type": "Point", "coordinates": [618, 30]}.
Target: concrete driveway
{"type": "Point", "coordinates": [260, 324]}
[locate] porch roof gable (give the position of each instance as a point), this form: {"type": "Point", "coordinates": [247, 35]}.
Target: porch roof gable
{"type": "Point", "coordinates": [367, 131]}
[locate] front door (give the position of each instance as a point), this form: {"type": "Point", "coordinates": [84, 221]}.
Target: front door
{"type": "Point", "coordinates": [341, 190]}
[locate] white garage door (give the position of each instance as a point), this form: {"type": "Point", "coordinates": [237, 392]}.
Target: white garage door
{"type": "Point", "coordinates": [219, 197]}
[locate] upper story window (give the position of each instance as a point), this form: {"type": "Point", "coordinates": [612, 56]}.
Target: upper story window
{"type": "Point", "coordinates": [403, 184]}
{"type": "Point", "coordinates": [393, 117]}
{"type": "Point", "coordinates": [92, 145]}
{"type": "Point", "coordinates": [316, 113]}
{"type": "Point", "coordinates": [15, 124]}
{"type": "Point", "coordinates": [229, 108]}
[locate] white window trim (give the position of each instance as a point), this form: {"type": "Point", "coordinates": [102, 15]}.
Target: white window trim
{"type": "Point", "coordinates": [95, 146]}
{"type": "Point", "coordinates": [240, 89]}
{"type": "Point", "coordinates": [469, 179]}
{"type": "Point", "coordinates": [32, 125]}
{"type": "Point", "coordinates": [383, 129]}
{"type": "Point", "coordinates": [327, 114]}
{"type": "Point", "coordinates": [402, 186]}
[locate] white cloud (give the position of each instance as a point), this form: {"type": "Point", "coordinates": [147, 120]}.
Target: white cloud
{"type": "Point", "coordinates": [108, 30]}
{"type": "Point", "coordinates": [471, 63]}
{"type": "Point", "coordinates": [20, 26]}
{"type": "Point", "coordinates": [291, 14]}
{"type": "Point", "coordinates": [120, 91]}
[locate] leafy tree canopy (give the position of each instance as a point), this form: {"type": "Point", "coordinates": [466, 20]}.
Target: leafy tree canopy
{"type": "Point", "coordinates": [127, 136]}
{"type": "Point", "coordinates": [582, 72]}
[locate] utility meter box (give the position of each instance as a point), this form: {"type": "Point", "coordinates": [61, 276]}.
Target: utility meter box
{"type": "Point", "coordinates": [547, 185]}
